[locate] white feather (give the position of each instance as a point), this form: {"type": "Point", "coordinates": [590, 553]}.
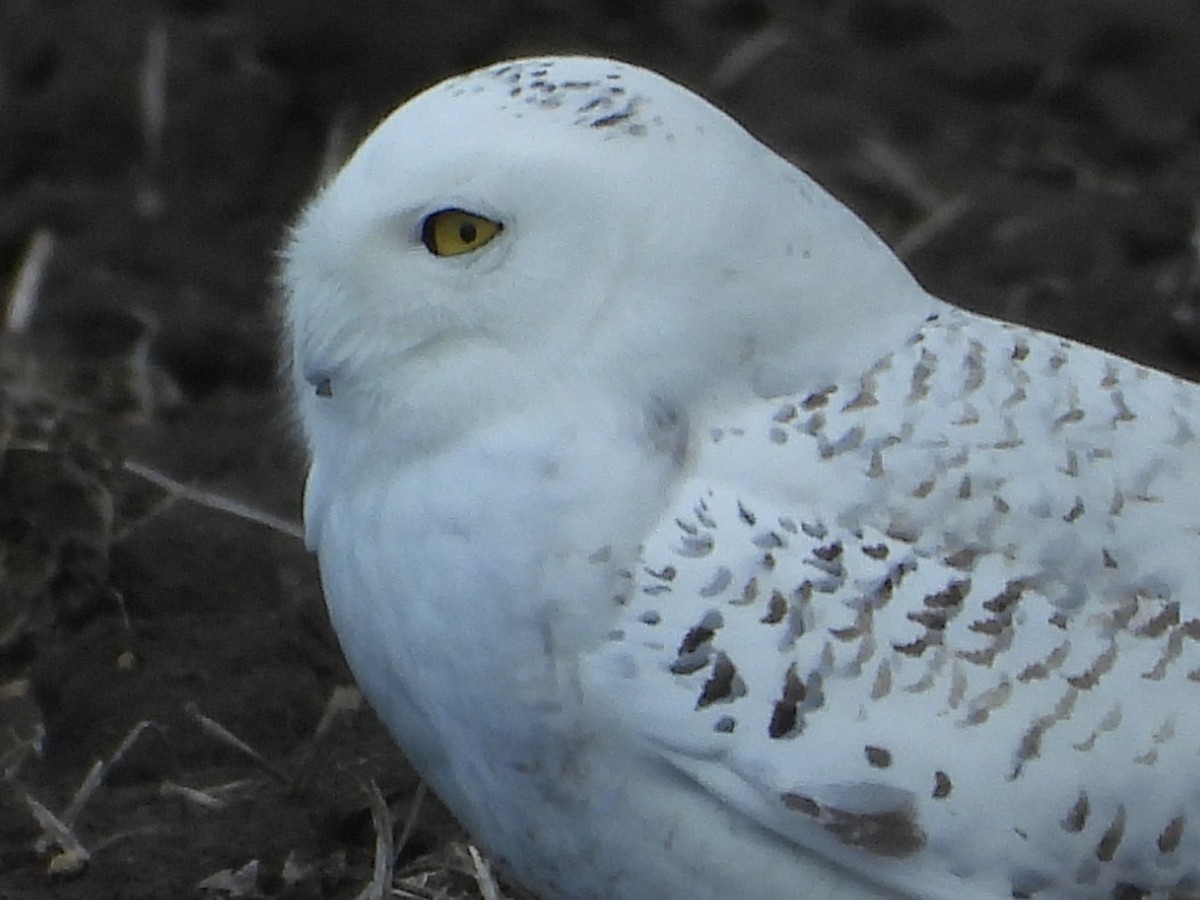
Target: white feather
{"type": "Point", "coordinates": [691, 550]}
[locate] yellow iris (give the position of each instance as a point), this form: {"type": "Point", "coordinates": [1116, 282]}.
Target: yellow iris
{"type": "Point", "coordinates": [450, 232]}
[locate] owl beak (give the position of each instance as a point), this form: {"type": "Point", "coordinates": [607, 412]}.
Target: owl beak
{"type": "Point", "coordinates": [321, 381]}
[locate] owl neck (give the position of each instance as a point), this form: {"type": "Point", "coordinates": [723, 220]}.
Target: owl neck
{"type": "Point", "coordinates": [526, 529]}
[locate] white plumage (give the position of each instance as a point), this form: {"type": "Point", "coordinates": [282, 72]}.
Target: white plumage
{"type": "Point", "coordinates": [691, 550]}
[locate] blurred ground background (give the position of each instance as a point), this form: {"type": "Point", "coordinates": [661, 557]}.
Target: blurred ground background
{"type": "Point", "coordinates": [1037, 159]}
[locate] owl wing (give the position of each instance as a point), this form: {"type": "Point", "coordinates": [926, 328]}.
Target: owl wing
{"type": "Point", "coordinates": [940, 625]}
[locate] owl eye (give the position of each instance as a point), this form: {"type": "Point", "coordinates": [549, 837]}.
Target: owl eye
{"type": "Point", "coordinates": [451, 232]}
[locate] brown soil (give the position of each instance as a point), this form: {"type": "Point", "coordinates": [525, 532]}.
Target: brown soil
{"type": "Point", "coordinates": [1036, 159]}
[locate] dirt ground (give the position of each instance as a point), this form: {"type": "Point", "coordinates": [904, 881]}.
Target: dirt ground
{"type": "Point", "coordinates": [1037, 159]}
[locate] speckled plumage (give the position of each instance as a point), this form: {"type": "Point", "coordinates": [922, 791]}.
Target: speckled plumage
{"type": "Point", "coordinates": [690, 549]}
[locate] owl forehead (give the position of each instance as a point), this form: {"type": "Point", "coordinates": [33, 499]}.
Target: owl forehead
{"type": "Point", "coordinates": [597, 95]}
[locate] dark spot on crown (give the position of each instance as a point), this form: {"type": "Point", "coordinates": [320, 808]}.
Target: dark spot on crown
{"type": "Point", "coordinates": [878, 757]}
{"type": "Point", "coordinates": [613, 118]}
{"type": "Point", "coordinates": [942, 786]}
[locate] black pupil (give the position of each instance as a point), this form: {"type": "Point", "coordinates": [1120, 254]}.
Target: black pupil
{"type": "Point", "coordinates": [466, 232]}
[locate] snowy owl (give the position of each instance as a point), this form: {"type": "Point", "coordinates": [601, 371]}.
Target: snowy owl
{"type": "Point", "coordinates": [691, 550]}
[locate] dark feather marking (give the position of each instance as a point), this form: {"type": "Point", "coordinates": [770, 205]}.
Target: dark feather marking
{"type": "Point", "coordinates": [892, 833]}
